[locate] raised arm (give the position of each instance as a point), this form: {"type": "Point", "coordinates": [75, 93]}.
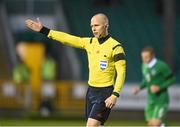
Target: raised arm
{"type": "Point", "coordinates": [59, 36]}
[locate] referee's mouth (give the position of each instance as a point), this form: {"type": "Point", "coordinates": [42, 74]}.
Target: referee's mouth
{"type": "Point", "coordinates": [96, 34]}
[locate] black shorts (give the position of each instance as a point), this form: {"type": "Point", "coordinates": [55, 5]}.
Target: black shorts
{"type": "Point", "coordinates": [95, 105]}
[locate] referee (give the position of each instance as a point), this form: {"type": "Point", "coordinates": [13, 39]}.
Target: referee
{"type": "Point", "coordinates": [107, 65]}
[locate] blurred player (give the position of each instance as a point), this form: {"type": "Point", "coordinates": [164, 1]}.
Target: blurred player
{"type": "Point", "coordinates": [105, 56]}
{"type": "Point", "coordinates": [157, 77]}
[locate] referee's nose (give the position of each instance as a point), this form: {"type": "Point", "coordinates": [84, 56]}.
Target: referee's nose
{"type": "Point", "coordinates": [93, 29]}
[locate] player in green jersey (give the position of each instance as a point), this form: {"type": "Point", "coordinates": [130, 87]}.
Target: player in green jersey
{"type": "Point", "coordinates": [157, 77]}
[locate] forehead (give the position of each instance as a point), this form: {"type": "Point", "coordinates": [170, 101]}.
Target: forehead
{"type": "Point", "coordinates": [97, 20]}
{"type": "Point", "coordinates": [146, 53]}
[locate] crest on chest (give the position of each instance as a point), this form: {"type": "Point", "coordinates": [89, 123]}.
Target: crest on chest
{"type": "Point", "coordinates": [103, 64]}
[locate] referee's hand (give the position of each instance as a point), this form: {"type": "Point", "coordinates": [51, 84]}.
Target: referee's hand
{"type": "Point", "coordinates": [111, 101]}
{"type": "Point", "coordinates": [34, 25]}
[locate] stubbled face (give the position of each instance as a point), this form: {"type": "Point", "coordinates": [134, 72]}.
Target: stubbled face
{"type": "Point", "coordinates": [98, 26]}
{"type": "Point", "coordinates": [146, 57]}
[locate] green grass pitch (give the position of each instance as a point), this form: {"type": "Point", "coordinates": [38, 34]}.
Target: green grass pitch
{"type": "Point", "coordinates": [65, 122]}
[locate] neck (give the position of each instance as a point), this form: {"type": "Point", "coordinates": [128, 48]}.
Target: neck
{"type": "Point", "coordinates": [103, 35]}
{"type": "Point", "coordinates": [103, 39]}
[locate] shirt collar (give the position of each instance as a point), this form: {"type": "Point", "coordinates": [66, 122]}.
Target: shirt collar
{"type": "Point", "coordinates": [152, 63]}
{"type": "Point", "coordinates": [103, 39]}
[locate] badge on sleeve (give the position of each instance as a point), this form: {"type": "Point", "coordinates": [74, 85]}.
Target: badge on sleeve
{"type": "Point", "coordinates": [103, 64]}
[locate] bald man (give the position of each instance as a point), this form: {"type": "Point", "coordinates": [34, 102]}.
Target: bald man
{"type": "Point", "coordinates": [105, 56]}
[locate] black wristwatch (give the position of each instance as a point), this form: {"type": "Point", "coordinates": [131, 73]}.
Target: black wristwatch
{"type": "Point", "coordinates": [116, 94]}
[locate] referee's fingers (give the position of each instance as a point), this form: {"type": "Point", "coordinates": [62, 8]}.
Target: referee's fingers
{"type": "Point", "coordinates": [38, 20]}
{"type": "Point", "coordinates": [107, 104]}
{"type": "Point", "coordinates": [28, 22]}
{"type": "Point", "coordinates": [112, 105]}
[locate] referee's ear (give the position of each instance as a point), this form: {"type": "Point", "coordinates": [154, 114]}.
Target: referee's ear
{"type": "Point", "coordinates": [106, 26]}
